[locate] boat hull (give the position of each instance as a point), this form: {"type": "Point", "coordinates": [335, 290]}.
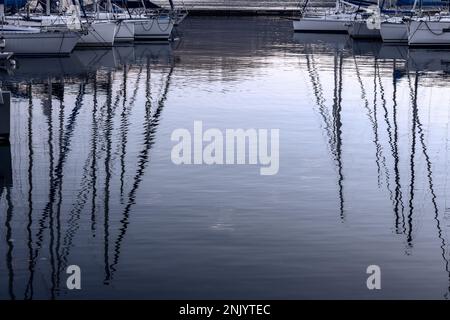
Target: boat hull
{"type": "Point", "coordinates": [429, 34]}
{"type": "Point", "coordinates": [99, 34]}
{"type": "Point", "coordinates": [359, 30]}
{"type": "Point", "coordinates": [392, 32]}
{"type": "Point", "coordinates": [320, 25]}
{"type": "Point", "coordinates": [152, 29]}
{"type": "Point", "coordinates": [40, 43]}
{"type": "Point", "coordinates": [125, 31]}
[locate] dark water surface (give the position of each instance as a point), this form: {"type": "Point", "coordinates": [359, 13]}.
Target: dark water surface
{"type": "Point", "coordinates": [363, 179]}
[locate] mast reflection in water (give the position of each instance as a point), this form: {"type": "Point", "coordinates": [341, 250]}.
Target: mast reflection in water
{"type": "Point", "coordinates": [87, 177]}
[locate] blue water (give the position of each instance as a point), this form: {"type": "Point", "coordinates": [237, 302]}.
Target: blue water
{"type": "Point", "coordinates": [88, 180]}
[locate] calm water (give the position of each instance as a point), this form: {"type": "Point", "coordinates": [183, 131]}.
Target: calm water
{"type": "Point", "coordinates": [363, 179]}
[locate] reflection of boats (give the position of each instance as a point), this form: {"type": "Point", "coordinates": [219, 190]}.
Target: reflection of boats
{"type": "Point", "coordinates": [161, 52]}
{"type": "Point", "coordinates": [28, 68]}
{"type": "Point", "coordinates": [5, 55]}
{"type": "Point", "coordinates": [413, 59]}
{"type": "Point", "coordinates": [328, 40]}
{"type": "Point", "coordinates": [393, 52]}
{"type": "Point", "coordinates": [5, 100]}
{"type": "Point", "coordinates": [91, 60]}
{"type": "Point", "coordinates": [57, 227]}
{"type": "Point", "coordinates": [429, 60]}
{"type": "Point", "coordinates": [331, 117]}
{"type": "Point", "coordinates": [5, 166]}
{"type": "Point", "coordinates": [124, 55]}
{"type": "Point", "coordinates": [83, 62]}
{"type": "Point", "coordinates": [78, 63]}
{"type": "Point", "coordinates": [365, 48]}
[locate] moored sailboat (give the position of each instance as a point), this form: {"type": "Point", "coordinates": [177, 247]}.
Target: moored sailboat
{"type": "Point", "coordinates": [331, 21]}
{"type": "Point", "coordinates": [366, 24]}
{"type": "Point", "coordinates": [27, 40]}
{"type": "Point", "coordinates": [88, 32]}
{"type": "Point", "coordinates": [34, 41]}
{"type": "Point", "coordinates": [138, 23]}
{"type": "Point", "coordinates": [430, 31]}
{"type": "Point", "coordinates": [394, 30]}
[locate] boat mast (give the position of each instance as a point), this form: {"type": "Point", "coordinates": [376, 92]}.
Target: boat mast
{"type": "Point", "coordinates": [2, 21]}
{"type": "Point", "coordinates": [96, 8]}
{"type": "Point", "coordinates": [110, 7]}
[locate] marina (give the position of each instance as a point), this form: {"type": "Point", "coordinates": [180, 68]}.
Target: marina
{"type": "Point", "coordinates": [93, 95]}
{"type": "Point", "coordinates": [415, 23]}
{"type": "Point", "coordinates": [87, 178]}
{"type": "Point", "coordinates": [47, 29]}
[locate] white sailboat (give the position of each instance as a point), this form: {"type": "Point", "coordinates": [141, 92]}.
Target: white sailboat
{"type": "Point", "coordinates": [333, 21]}
{"type": "Point", "coordinates": [329, 23]}
{"type": "Point", "coordinates": [34, 41]}
{"type": "Point", "coordinates": [430, 31]}
{"type": "Point", "coordinates": [153, 27]}
{"type": "Point", "coordinates": [394, 30]}
{"type": "Point", "coordinates": [359, 30]}
{"type": "Point", "coordinates": [421, 26]}
{"type": "Point", "coordinates": [125, 31]}
{"type": "Point", "coordinates": [99, 32]}
{"type": "Point", "coordinates": [27, 40]}
{"type": "Point", "coordinates": [89, 32]}
{"type": "Point", "coordinates": [144, 25]}
{"type": "Point", "coordinates": [366, 25]}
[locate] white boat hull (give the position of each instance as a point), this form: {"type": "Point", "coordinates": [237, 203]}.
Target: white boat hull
{"type": "Point", "coordinates": [153, 28]}
{"type": "Point", "coordinates": [394, 32]}
{"type": "Point", "coordinates": [429, 33]}
{"type": "Point", "coordinates": [125, 31]}
{"type": "Point", "coordinates": [359, 30]}
{"type": "Point", "coordinates": [40, 43]}
{"type": "Point", "coordinates": [318, 24]}
{"type": "Point", "coordinates": [99, 34]}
